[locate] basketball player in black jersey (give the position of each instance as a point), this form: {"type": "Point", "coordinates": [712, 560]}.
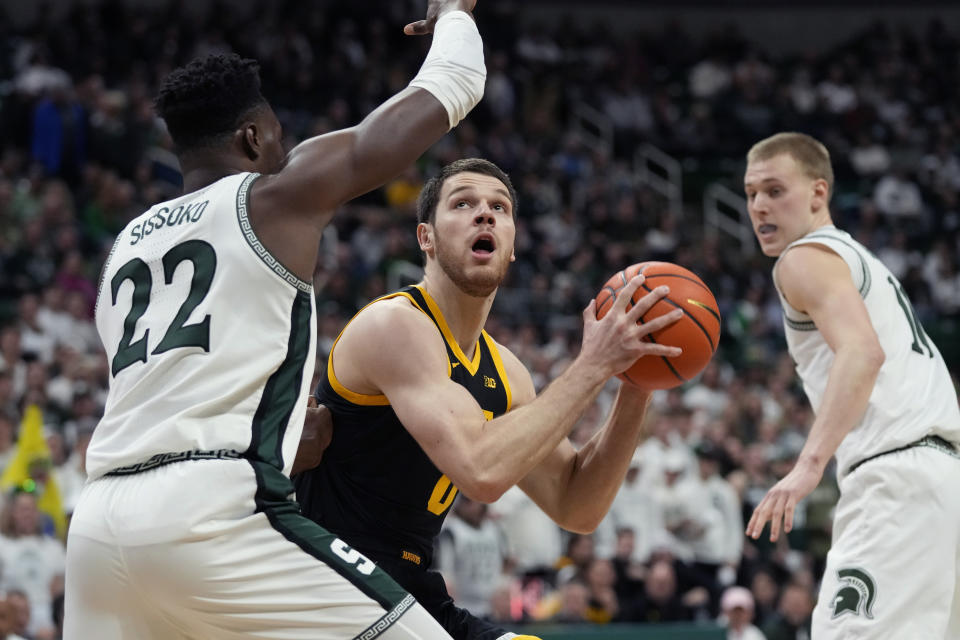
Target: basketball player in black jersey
{"type": "Point", "coordinates": [425, 403]}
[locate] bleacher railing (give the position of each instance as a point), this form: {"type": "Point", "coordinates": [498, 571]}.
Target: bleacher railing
{"type": "Point", "coordinates": [662, 173]}
{"type": "Point", "coordinates": [725, 212]}
{"type": "Point", "coordinates": [594, 127]}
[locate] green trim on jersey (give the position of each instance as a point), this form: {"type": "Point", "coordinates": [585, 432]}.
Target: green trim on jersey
{"type": "Point", "coordinates": [265, 454]}
{"type": "Point", "coordinates": [285, 517]}
{"type": "Point", "coordinates": [865, 287]}
{"type": "Point", "coordinates": [243, 197]}
{"type": "Point", "coordinates": [282, 391]}
{"type": "Point", "coordinates": [799, 325]}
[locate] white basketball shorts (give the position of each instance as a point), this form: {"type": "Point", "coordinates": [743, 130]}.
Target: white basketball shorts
{"type": "Point", "coordinates": [211, 549]}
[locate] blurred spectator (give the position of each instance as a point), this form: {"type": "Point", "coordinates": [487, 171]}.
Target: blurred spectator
{"type": "Point", "coordinates": [600, 579]}
{"type": "Point", "coordinates": [60, 134]}
{"type": "Point", "coordinates": [8, 620]}
{"type": "Point", "coordinates": [7, 430]}
{"type": "Point", "coordinates": [579, 556]}
{"type": "Point", "coordinates": [707, 394]}
{"type": "Point", "coordinates": [737, 605]}
{"type": "Point", "coordinates": [869, 158]}
{"type": "Point", "coordinates": [792, 621]}
{"type": "Point", "coordinates": [19, 604]}
{"type": "Point", "coordinates": [718, 551]}
{"type": "Point", "coordinates": [660, 601]}
{"type": "Point", "coordinates": [71, 475]}
{"type": "Point", "coordinates": [470, 555]}
{"type": "Point", "coordinates": [680, 506]}
{"type": "Point", "coordinates": [636, 509]}
{"type": "Point", "coordinates": [897, 196]}
{"type": "Point", "coordinates": [533, 540]}
{"type": "Point", "coordinates": [31, 561]}
{"type": "Point", "coordinates": [11, 359]}
{"type": "Point", "coordinates": [765, 592]}
{"type": "Point", "coordinates": [574, 603]}
{"type": "Point", "coordinates": [82, 335]}
{"type": "Point", "coordinates": [52, 316]}
{"type": "Point", "coordinates": [36, 343]}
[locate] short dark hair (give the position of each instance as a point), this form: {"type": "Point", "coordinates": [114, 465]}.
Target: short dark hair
{"type": "Point", "coordinates": [809, 153]}
{"type": "Point", "coordinates": [430, 194]}
{"type": "Point", "coordinates": [208, 98]}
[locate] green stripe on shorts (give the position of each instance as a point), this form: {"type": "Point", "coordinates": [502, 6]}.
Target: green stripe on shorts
{"type": "Point", "coordinates": [284, 515]}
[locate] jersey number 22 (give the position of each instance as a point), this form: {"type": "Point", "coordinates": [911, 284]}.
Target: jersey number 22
{"type": "Point", "coordinates": [178, 334]}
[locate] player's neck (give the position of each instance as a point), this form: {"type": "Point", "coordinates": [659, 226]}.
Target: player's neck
{"type": "Point", "coordinates": [201, 168]}
{"type": "Point", "coordinates": [822, 220]}
{"type": "Point", "coordinates": [465, 315]}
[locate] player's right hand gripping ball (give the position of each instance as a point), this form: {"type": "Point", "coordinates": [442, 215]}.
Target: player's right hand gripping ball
{"type": "Point", "coordinates": [697, 332]}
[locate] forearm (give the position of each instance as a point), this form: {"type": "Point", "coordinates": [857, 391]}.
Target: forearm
{"type": "Point", "coordinates": [449, 84]}
{"type": "Point", "coordinates": [323, 172]}
{"type": "Point", "coordinates": [850, 382]}
{"type": "Point", "coordinates": [393, 136]}
{"type": "Point", "coordinates": [506, 449]}
{"type": "Point", "coordinates": [599, 467]}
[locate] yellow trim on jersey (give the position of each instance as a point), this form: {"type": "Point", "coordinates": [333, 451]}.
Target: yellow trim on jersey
{"type": "Point", "coordinates": [469, 365]}
{"type": "Point", "coordinates": [498, 363]}
{"type": "Point", "coordinates": [362, 399]}
{"type": "Point", "coordinates": [414, 302]}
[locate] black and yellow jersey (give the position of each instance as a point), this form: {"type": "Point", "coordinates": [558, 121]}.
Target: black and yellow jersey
{"type": "Point", "coordinates": [375, 487]}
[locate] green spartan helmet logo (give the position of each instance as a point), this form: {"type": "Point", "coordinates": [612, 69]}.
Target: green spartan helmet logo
{"type": "Point", "coordinates": [856, 593]}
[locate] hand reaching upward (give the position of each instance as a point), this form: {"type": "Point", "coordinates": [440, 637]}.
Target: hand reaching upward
{"type": "Point", "coordinates": [435, 9]}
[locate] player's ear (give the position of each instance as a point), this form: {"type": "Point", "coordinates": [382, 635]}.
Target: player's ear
{"type": "Point", "coordinates": [425, 237]}
{"type": "Point", "coordinates": [250, 138]}
{"type": "Point", "coordinates": [821, 195]}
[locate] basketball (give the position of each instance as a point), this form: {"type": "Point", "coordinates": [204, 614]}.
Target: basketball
{"type": "Point", "coordinates": [697, 332]}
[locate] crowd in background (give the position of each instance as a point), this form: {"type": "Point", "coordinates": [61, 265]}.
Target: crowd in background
{"type": "Point", "coordinates": [81, 153]}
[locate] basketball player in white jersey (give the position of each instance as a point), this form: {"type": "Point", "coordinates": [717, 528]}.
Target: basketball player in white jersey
{"type": "Point", "coordinates": [885, 407]}
{"type": "Point", "coordinates": [206, 311]}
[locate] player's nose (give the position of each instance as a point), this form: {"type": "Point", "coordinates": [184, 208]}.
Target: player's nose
{"type": "Point", "coordinates": [485, 215]}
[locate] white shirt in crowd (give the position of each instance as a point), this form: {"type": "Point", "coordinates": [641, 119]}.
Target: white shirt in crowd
{"type": "Point", "coordinates": [30, 563]}
{"type": "Point", "coordinates": [471, 562]}
{"type": "Point", "coordinates": [533, 539]}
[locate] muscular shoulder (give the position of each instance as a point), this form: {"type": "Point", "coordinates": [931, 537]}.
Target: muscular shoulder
{"type": "Point", "coordinates": [809, 274]}
{"type": "Point", "coordinates": [395, 322]}
{"type": "Point", "coordinates": [521, 383]}
{"type": "Point", "coordinates": [378, 346]}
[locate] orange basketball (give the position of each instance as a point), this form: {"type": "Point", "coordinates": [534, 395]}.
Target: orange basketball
{"type": "Point", "coordinates": [697, 332]}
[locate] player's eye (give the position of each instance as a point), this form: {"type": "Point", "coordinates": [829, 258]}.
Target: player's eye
{"type": "Point", "coordinates": [462, 204]}
{"type": "Point", "coordinates": [775, 191]}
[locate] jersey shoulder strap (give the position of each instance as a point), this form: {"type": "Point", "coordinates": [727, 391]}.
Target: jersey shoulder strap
{"type": "Point", "coordinates": [841, 243]}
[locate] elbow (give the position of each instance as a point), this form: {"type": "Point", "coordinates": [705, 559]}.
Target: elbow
{"type": "Point", "coordinates": [580, 521]}
{"type": "Point", "coordinates": [874, 356]}
{"type": "Point", "coordinates": [484, 491]}
{"type": "Point", "coordinates": [484, 485]}
{"type": "Point", "coordinates": [582, 526]}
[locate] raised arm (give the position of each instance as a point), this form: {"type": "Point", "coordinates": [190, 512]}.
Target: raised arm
{"type": "Point", "coordinates": [484, 458]}
{"type": "Point", "coordinates": [323, 172]}
{"type": "Point", "coordinates": [817, 281]}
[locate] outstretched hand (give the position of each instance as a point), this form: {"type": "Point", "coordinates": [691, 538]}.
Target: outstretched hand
{"type": "Point", "coordinates": [435, 9]}
{"type": "Point", "coordinates": [617, 340]}
{"type": "Point", "coordinates": [781, 501]}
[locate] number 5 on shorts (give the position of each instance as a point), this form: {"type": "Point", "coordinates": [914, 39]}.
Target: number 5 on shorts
{"type": "Point", "coordinates": [352, 556]}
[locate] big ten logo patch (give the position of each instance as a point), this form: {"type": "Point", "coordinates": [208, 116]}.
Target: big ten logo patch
{"type": "Point", "coordinates": [489, 382]}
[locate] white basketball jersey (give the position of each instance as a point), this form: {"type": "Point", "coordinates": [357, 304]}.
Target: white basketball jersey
{"type": "Point", "coordinates": [210, 339]}
{"type": "Point", "coordinates": [913, 396]}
